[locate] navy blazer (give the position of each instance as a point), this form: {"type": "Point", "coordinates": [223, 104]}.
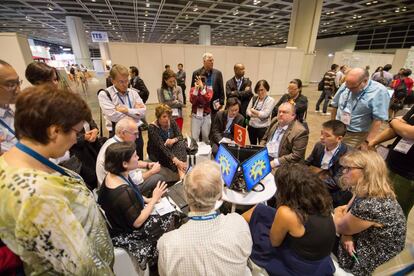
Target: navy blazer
{"type": "Point", "coordinates": [335, 171]}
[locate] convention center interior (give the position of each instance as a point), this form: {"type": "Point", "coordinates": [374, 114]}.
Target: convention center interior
{"type": "Point", "coordinates": [206, 137]}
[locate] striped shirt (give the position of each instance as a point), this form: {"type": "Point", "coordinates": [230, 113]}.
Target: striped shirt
{"type": "Point", "coordinates": [329, 80]}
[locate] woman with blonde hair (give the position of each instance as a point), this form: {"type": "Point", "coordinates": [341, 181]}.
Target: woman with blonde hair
{"type": "Point", "coordinates": [372, 225]}
{"type": "Point", "coordinates": [165, 142]}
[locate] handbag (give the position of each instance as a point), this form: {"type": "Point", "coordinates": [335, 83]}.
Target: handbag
{"type": "Point", "coordinates": [191, 146]}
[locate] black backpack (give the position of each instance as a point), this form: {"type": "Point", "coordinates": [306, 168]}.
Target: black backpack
{"type": "Point", "coordinates": [321, 84]}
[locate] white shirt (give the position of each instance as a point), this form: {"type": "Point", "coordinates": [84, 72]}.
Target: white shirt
{"type": "Point", "coordinates": [327, 157]}
{"type": "Point", "coordinates": [135, 175]}
{"type": "Point", "coordinates": [274, 144]}
{"type": "Point", "coordinates": [128, 100]}
{"type": "Point", "coordinates": [219, 246]}
{"type": "Point", "coordinates": [265, 108]}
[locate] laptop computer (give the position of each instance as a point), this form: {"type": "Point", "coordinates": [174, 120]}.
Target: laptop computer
{"type": "Point", "coordinates": [256, 168]}
{"type": "Point", "coordinates": [228, 165]}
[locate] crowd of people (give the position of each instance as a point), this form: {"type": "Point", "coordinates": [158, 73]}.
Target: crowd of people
{"type": "Point", "coordinates": [344, 207]}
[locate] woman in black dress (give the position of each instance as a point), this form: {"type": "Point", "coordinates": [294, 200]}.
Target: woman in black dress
{"type": "Point", "coordinates": [165, 142]}
{"type": "Point", "coordinates": [132, 224]}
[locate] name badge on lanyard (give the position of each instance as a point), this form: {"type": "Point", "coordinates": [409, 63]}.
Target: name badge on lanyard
{"type": "Point", "coordinates": [271, 147]}
{"type": "Point", "coordinates": [346, 117]}
{"type": "Point", "coordinates": [200, 112]}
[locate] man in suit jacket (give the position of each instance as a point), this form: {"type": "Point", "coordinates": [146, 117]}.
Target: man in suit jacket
{"type": "Point", "coordinates": [286, 138]}
{"type": "Point", "coordinates": [240, 88]}
{"type": "Point", "coordinates": [214, 79]}
{"type": "Point", "coordinates": [325, 156]}
{"type": "Point", "coordinates": [223, 124]}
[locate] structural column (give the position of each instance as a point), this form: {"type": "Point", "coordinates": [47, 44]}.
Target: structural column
{"type": "Point", "coordinates": [303, 30]}
{"type": "Point", "coordinates": [78, 40]}
{"type": "Point", "coordinates": [204, 37]}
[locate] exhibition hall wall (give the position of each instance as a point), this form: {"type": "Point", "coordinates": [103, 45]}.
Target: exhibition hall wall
{"type": "Point", "coordinates": [277, 66]}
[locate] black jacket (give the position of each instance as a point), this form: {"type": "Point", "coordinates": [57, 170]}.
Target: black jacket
{"type": "Point", "coordinates": [301, 106]}
{"type": "Point", "coordinates": [139, 85]}
{"type": "Point", "coordinates": [217, 85]}
{"type": "Point", "coordinates": [244, 95]}
{"type": "Point", "coordinates": [219, 126]}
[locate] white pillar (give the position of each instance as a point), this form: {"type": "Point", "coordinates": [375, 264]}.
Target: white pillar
{"type": "Point", "coordinates": [303, 30]}
{"type": "Point", "coordinates": [204, 37]}
{"type": "Point", "coordinates": [104, 50]}
{"type": "Point", "coordinates": [78, 40]}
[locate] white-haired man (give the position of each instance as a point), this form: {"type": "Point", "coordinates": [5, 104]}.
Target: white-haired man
{"type": "Point", "coordinates": [209, 243]}
{"type": "Point", "coordinates": [126, 130]}
{"type": "Point", "coordinates": [214, 79]}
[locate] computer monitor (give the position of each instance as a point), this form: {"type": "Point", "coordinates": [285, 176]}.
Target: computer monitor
{"type": "Point", "coordinates": [256, 168]}
{"type": "Point", "coordinates": [228, 165]}
{"type": "Point", "coordinates": [243, 153]}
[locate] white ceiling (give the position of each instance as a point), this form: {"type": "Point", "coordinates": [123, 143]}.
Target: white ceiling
{"type": "Point", "coordinates": [250, 22]}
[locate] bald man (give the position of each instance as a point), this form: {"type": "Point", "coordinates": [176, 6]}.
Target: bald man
{"type": "Point", "coordinates": [9, 88]}
{"type": "Point", "coordinates": [286, 138]}
{"type": "Point", "coordinates": [361, 104]}
{"type": "Point", "coordinates": [240, 88]}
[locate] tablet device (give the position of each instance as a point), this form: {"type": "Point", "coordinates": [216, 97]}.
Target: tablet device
{"type": "Point", "coordinates": [228, 165]}
{"type": "Point", "coordinates": [256, 168]}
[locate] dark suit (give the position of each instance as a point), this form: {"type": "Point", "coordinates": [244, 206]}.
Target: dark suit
{"type": "Point", "coordinates": [339, 197]}
{"type": "Point", "coordinates": [292, 147]}
{"type": "Point", "coordinates": [219, 126]}
{"type": "Point", "coordinates": [243, 94]}
{"type": "Point", "coordinates": [216, 84]}
{"type": "Point", "coordinates": [301, 106]}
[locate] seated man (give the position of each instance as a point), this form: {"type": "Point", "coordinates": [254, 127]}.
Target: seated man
{"type": "Point", "coordinates": [126, 130]}
{"type": "Point", "coordinates": [324, 159]}
{"type": "Point", "coordinates": [209, 243]}
{"type": "Point", "coordinates": [222, 129]}
{"type": "Point", "coordinates": [286, 138]}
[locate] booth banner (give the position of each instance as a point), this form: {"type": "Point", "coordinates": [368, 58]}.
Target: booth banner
{"type": "Point", "coordinates": [99, 37]}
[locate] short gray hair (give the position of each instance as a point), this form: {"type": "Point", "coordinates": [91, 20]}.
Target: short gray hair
{"type": "Point", "coordinates": [123, 125]}
{"type": "Point", "coordinates": [203, 186]}
{"type": "Point", "coordinates": [207, 56]}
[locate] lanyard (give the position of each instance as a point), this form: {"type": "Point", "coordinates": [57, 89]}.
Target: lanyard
{"type": "Point", "coordinates": [208, 217]}
{"type": "Point", "coordinates": [133, 187]}
{"type": "Point", "coordinates": [116, 139]}
{"type": "Point", "coordinates": [279, 132]}
{"type": "Point", "coordinates": [3, 123]}
{"type": "Point", "coordinates": [333, 156]}
{"type": "Point", "coordinates": [257, 103]}
{"type": "Point", "coordinates": [358, 99]}
{"type": "Point", "coordinates": [41, 159]}
{"type": "Point", "coordinates": [122, 101]}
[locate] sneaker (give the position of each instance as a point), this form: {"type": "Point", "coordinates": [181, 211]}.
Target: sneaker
{"type": "Point", "coordinates": [326, 114]}
{"type": "Point", "coordinates": [317, 111]}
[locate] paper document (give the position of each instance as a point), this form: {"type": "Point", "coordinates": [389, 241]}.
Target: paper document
{"type": "Point", "coordinates": [164, 207]}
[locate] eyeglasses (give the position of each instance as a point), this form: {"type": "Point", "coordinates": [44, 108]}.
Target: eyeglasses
{"type": "Point", "coordinates": [133, 133]}
{"type": "Point", "coordinates": [77, 131]}
{"type": "Point", "coordinates": [12, 84]}
{"type": "Point", "coordinates": [347, 168]}
{"type": "Point", "coordinates": [356, 86]}
{"type": "Point", "coordinates": [123, 81]}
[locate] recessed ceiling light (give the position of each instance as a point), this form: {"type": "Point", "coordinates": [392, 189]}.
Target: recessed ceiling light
{"type": "Point", "coordinates": [368, 3]}
{"type": "Point", "coordinates": [28, 18]}
{"type": "Point", "coordinates": [251, 23]}
{"type": "Point", "coordinates": [49, 6]}
{"type": "Point", "coordinates": [272, 16]}
{"type": "Point", "coordinates": [93, 1]}
{"type": "Point", "coordinates": [186, 16]}
{"type": "Point", "coordinates": [146, 13]}
{"type": "Point", "coordinates": [195, 8]}
{"type": "Point", "coordinates": [220, 21]}
{"type": "Point", "coordinates": [236, 12]}
{"type": "Point", "coordinates": [100, 10]}
{"type": "Point", "coordinates": [147, 5]}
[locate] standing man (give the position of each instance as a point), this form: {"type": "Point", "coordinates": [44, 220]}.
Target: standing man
{"type": "Point", "coordinates": [9, 88]}
{"type": "Point", "coordinates": [239, 87]}
{"type": "Point", "coordinates": [340, 76]}
{"type": "Point", "coordinates": [328, 89]}
{"type": "Point", "coordinates": [119, 101]}
{"type": "Point", "coordinates": [181, 76]}
{"type": "Point", "coordinates": [286, 138]}
{"type": "Point", "coordinates": [137, 83]}
{"type": "Point", "coordinates": [361, 104]}
{"type": "Point", "coordinates": [214, 80]}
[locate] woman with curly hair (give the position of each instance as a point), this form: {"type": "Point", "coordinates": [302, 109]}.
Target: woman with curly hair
{"type": "Point", "coordinates": [298, 236]}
